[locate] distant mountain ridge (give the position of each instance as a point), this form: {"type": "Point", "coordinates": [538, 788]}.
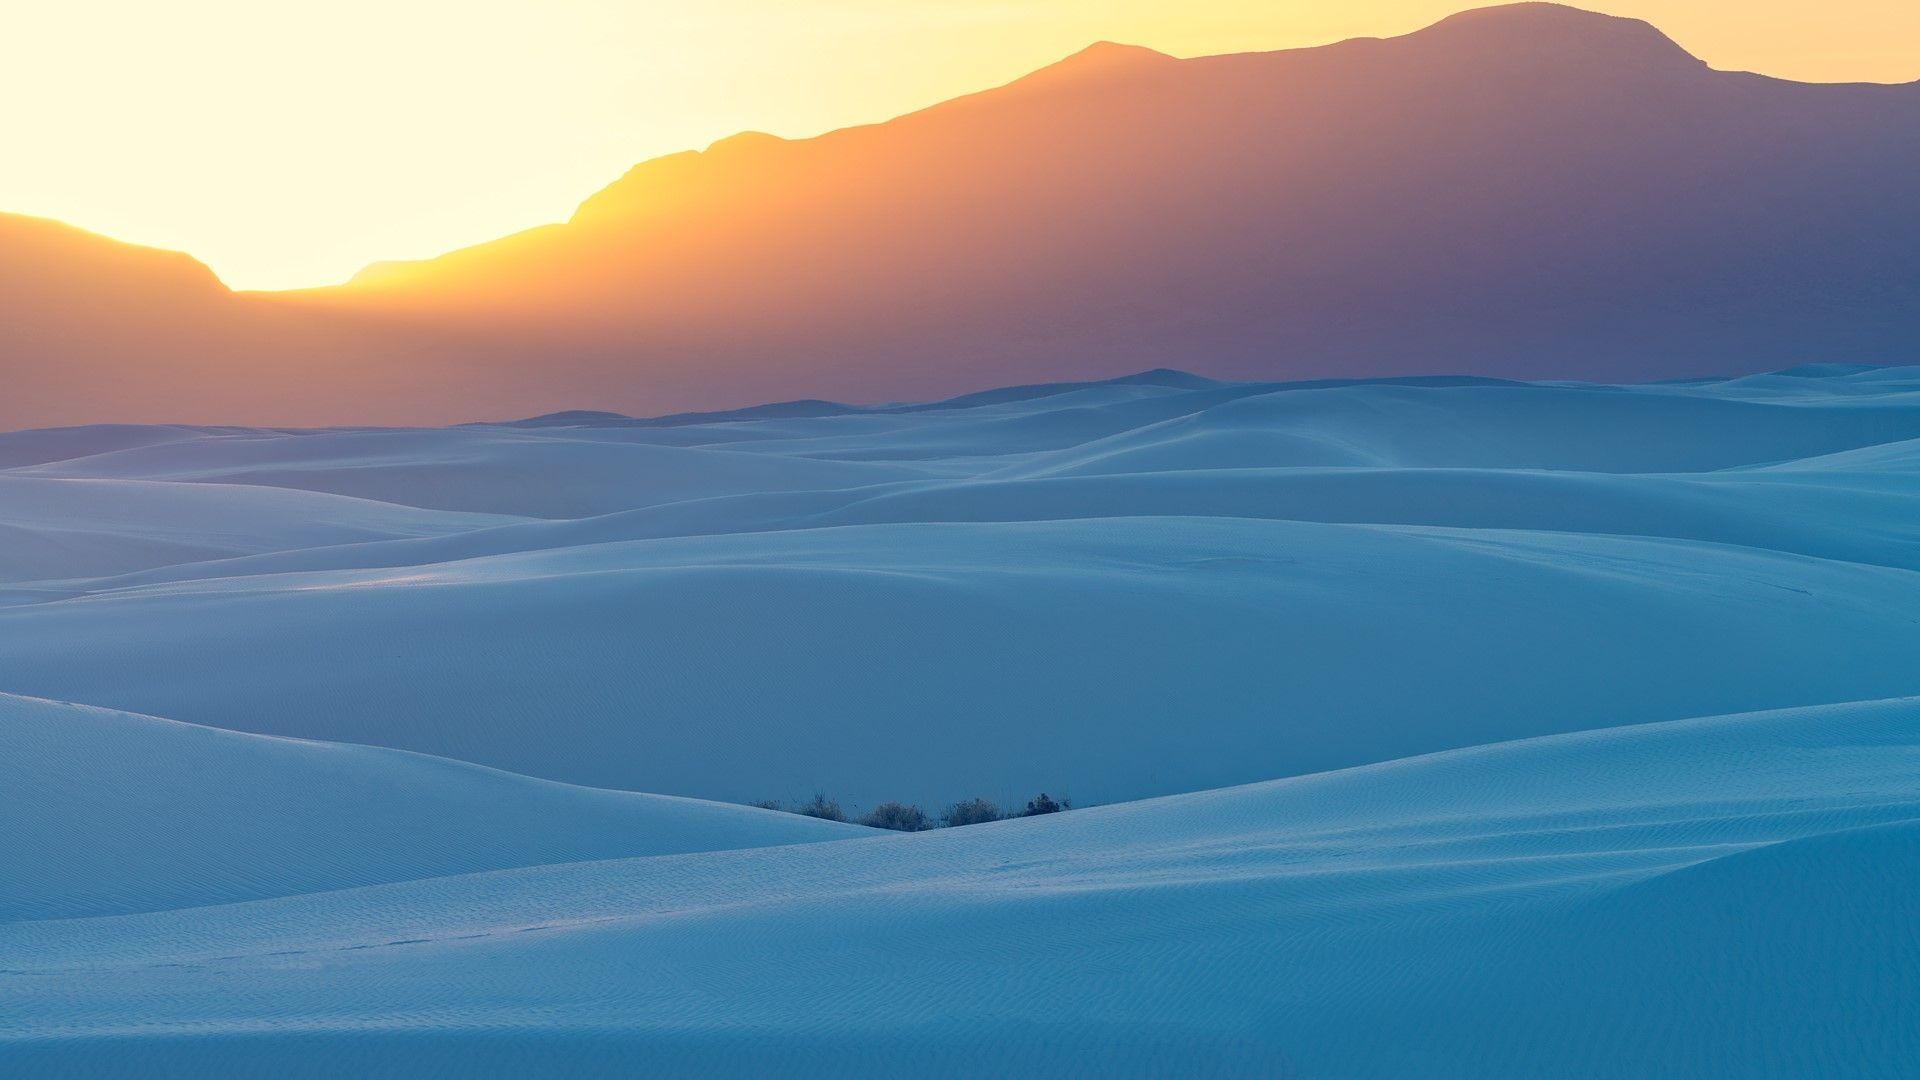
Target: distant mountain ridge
{"type": "Point", "coordinates": [1526, 191]}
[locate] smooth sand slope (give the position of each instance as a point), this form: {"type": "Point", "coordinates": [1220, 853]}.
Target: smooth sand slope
{"type": "Point", "coordinates": [1727, 896]}
{"type": "Point", "coordinates": [52, 527]}
{"type": "Point", "coordinates": [108, 813]}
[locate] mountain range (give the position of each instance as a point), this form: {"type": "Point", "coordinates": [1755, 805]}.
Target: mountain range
{"type": "Point", "coordinates": [1526, 191]}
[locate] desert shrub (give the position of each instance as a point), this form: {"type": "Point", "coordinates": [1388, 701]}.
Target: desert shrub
{"type": "Point", "coordinates": [821, 807]}
{"type": "Point", "coordinates": [902, 817]}
{"type": "Point", "coordinates": [971, 812]}
{"type": "Point", "coordinates": [898, 817]}
{"type": "Point", "coordinates": [1044, 805]}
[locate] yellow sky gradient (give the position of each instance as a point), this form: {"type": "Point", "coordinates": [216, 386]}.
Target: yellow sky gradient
{"type": "Point", "coordinates": [289, 143]}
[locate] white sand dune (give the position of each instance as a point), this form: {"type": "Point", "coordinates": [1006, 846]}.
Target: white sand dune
{"type": "Point", "coordinates": [109, 813]}
{"type": "Point", "coordinates": [485, 470]}
{"type": "Point", "coordinates": [1111, 658]}
{"type": "Point", "coordinates": [1549, 426]}
{"type": "Point", "coordinates": [1726, 896]}
{"type": "Point", "coordinates": [1157, 586]}
{"type": "Point", "coordinates": [46, 445]}
{"type": "Point", "coordinates": [85, 528]}
{"type": "Point", "coordinates": [1113, 589]}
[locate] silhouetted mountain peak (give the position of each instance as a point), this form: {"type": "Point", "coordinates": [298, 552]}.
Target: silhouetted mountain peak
{"type": "Point", "coordinates": [745, 141]}
{"type": "Point", "coordinates": [1098, 60]}
{"type": "Point", "coordinates": [1560, 34]}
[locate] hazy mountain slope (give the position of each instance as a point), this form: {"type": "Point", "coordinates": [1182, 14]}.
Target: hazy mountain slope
{"type": "Point", "coordinates": [80, 310]}
{"type": "Point", "coordinates": [1729, 895]}
{"type": "Point", "coordinates": [1529, 191]}
{"type": "Point", "coordinates": [109, 813]}
{"type": "Point", "coordinates": [93, 331]}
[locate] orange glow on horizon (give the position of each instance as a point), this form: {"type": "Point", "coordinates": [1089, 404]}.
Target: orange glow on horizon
{"type": "Point", "coordinates": [291, 144]}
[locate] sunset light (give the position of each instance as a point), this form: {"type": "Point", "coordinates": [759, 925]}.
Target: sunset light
{"type": "Point", "coordinates": [959, 539]}
{"type": "Point", "coordinates": [291, 143]}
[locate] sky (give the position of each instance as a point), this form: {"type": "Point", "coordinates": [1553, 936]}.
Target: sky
{"type": "Point", "coordinates": [288, 143]}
